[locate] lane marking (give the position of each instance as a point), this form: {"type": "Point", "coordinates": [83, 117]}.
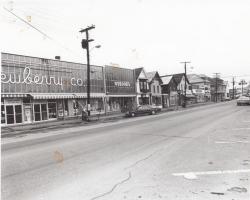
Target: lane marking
{"type": "Point", "coordinates": [193, 175]}
{"type": "Point", "coordinates": [237, 129]}
{"type": "Point", "coordinates": [230, 142]}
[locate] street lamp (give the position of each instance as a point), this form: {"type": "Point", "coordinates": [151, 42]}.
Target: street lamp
{"type": "Point", "coordinates": [97, 47]}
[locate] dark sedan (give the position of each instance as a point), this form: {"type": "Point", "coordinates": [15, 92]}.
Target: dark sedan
{"type": "Point", "coordinates": [143, 109]}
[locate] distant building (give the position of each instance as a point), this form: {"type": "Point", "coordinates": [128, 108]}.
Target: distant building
{"type": "Point", "coordinates": [200, 87]}
{"type": "Point", "coordinates": [218, 89]}
{"type": "Point", "coordinates": [169, 92]}
{"type": "Point", "coordinates": [155, 82]}
{"type": "Point", "coordinates": [177, 82]}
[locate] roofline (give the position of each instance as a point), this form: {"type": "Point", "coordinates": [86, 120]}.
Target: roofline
{"type": "Point", "coordinates": [49, 59]}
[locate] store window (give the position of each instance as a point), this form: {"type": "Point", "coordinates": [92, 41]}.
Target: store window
{"type": "Point", "coordinates": [2, 114]}
{"type": "Point", "coordinates": [18, 113]}
{"type": "Point", "coordinates": [37, 112]}
{"type": "Point", "coordinates": [44, 111]}
{"type": "Point", "coordinates": [13, 114]}
{"type": "Point", "coordinates": [10, 114]}
{"type": "Point", "coordinates": [52, 110]}
{"type": "Point", "coordinates": [40, 112]}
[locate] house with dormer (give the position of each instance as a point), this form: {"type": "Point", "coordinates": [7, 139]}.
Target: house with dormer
{"type": "Point", "coordinates": [177, 86]}
{"type": "Point", "coordinates": [155, 96]}
{"type": "Point", "coordinates": [142, 87]}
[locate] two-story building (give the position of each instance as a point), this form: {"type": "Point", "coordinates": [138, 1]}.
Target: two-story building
{"type": "Point", "coordinates": [142, 87]}
{"type": "Point", "coordinates": [155, 82]}
{"type": "Point", "coordinates": [218, 89]}
{"type": "Point", "coordinates": [183, 93]}
{"type": "Point", "coordinates": [169, 91]}
{"type": "Point", "coordinates": [119, 88]}
{"type": "Point", "coordinates": [200, 87]}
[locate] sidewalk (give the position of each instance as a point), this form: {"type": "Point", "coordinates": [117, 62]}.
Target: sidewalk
{"type": "Point", "coordinates": [24, 129]}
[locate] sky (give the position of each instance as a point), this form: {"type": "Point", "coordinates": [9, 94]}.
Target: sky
{"type": "Point", "coordinates": [155, 34]}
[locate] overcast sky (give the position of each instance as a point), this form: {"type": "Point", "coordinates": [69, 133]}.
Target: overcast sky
{"type": "Point", "coordinates": [156, 34]}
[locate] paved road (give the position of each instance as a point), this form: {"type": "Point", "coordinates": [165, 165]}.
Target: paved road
{"type": "Point", "coordinates": [201, 153]}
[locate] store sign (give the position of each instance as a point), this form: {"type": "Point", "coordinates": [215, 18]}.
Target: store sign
{"type": "Point", "coordinates": [27, 77]}
{"type": "Point", "coordinates": [122, 83]}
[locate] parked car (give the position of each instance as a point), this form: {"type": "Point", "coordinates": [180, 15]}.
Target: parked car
{"type": "Point", "coordinates": [243, 100]}
{"type": "Point", "coordinates": [226, 99]}
{"type": "Point", "coordinates": [143, 109]}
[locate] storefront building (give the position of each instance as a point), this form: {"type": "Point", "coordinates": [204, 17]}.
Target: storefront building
{"type": "Point", "coordinates": [37, 89]}
{"type": "Point", "coordinates": [120, 88]}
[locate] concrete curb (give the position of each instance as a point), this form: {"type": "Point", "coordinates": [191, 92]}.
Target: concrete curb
{"type": "Point", "coordinates": [78, 130]}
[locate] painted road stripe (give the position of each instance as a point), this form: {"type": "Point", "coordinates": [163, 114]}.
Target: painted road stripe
{"type": "Point", "coordinates": [193, 175]}
{"type": "Point", "coordinates": [237, 129]}
{"type": "Point", "coordinates": [230, 142]}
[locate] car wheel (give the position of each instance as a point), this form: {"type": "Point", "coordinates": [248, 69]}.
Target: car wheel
{"type": "Point", "coordinates": [153, 112]}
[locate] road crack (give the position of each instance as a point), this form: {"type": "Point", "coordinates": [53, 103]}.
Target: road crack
{"type": "Point", "coordinates": [143, 159]}
{"type": "Point", "coordinates": [113, 188]}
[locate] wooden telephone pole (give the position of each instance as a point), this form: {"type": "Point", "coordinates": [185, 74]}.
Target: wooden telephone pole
{"type": "Point", "coordinates": [85, 45]}
{"type": "Point", "coordinates": [185, 93]}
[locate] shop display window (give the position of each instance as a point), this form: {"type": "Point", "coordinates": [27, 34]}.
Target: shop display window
{"type": "Point", "coordinates": [52, 110]}
{"type": "Point", "coordinates": [40, 112]}
{"type": "Point", "coordinates": [2, 114]}
{"type": "Point", "coordinates": [37, 112]}
{"type": "Point", "coordinates": [18, 113]}
{"type": "Point", "coordinates": [13, 114]}
{"type": "Point", "coordinates": [44, 111]}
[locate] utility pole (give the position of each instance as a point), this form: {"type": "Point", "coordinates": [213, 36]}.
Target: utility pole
{"type": "Point", "coordinates": [233, 87]}
{"type": "Point", "coordinates": [216, 86]}
{"type": "Point", "coordinates": [185, 68]}
{"type": "Point", "coordinates": [85, 45]}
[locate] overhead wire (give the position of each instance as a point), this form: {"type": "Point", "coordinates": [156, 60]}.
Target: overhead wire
{"type": "Point", "coordinates": [40, 31]}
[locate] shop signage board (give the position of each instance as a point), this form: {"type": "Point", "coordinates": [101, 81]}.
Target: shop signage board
{"type": "Point", "coordinates": [47, 76]}
{"type": "Point", "coordinates": [119, 80]}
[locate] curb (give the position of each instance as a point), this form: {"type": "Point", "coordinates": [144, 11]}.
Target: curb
{"type": "Point", "coordinates": [89, 128]}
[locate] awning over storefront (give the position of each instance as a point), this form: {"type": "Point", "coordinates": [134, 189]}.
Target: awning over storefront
{"type": "Point", "coordinates": [92, 95]}
{"type": "Point", "coordinates": [121, 95]}
{"type": "Point", "coordinates": [13, 95]}
{"type": "Point", "coordinates": [52, 96]}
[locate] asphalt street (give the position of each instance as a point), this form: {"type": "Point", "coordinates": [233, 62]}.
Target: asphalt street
{"type": "Point", "coordinates": [201, 153]}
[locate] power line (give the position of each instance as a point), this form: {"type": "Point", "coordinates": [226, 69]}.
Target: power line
{"type": "Point", "coordinates": [44, 34]}
{"type": "Point", "coordinates": [41, 32]}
